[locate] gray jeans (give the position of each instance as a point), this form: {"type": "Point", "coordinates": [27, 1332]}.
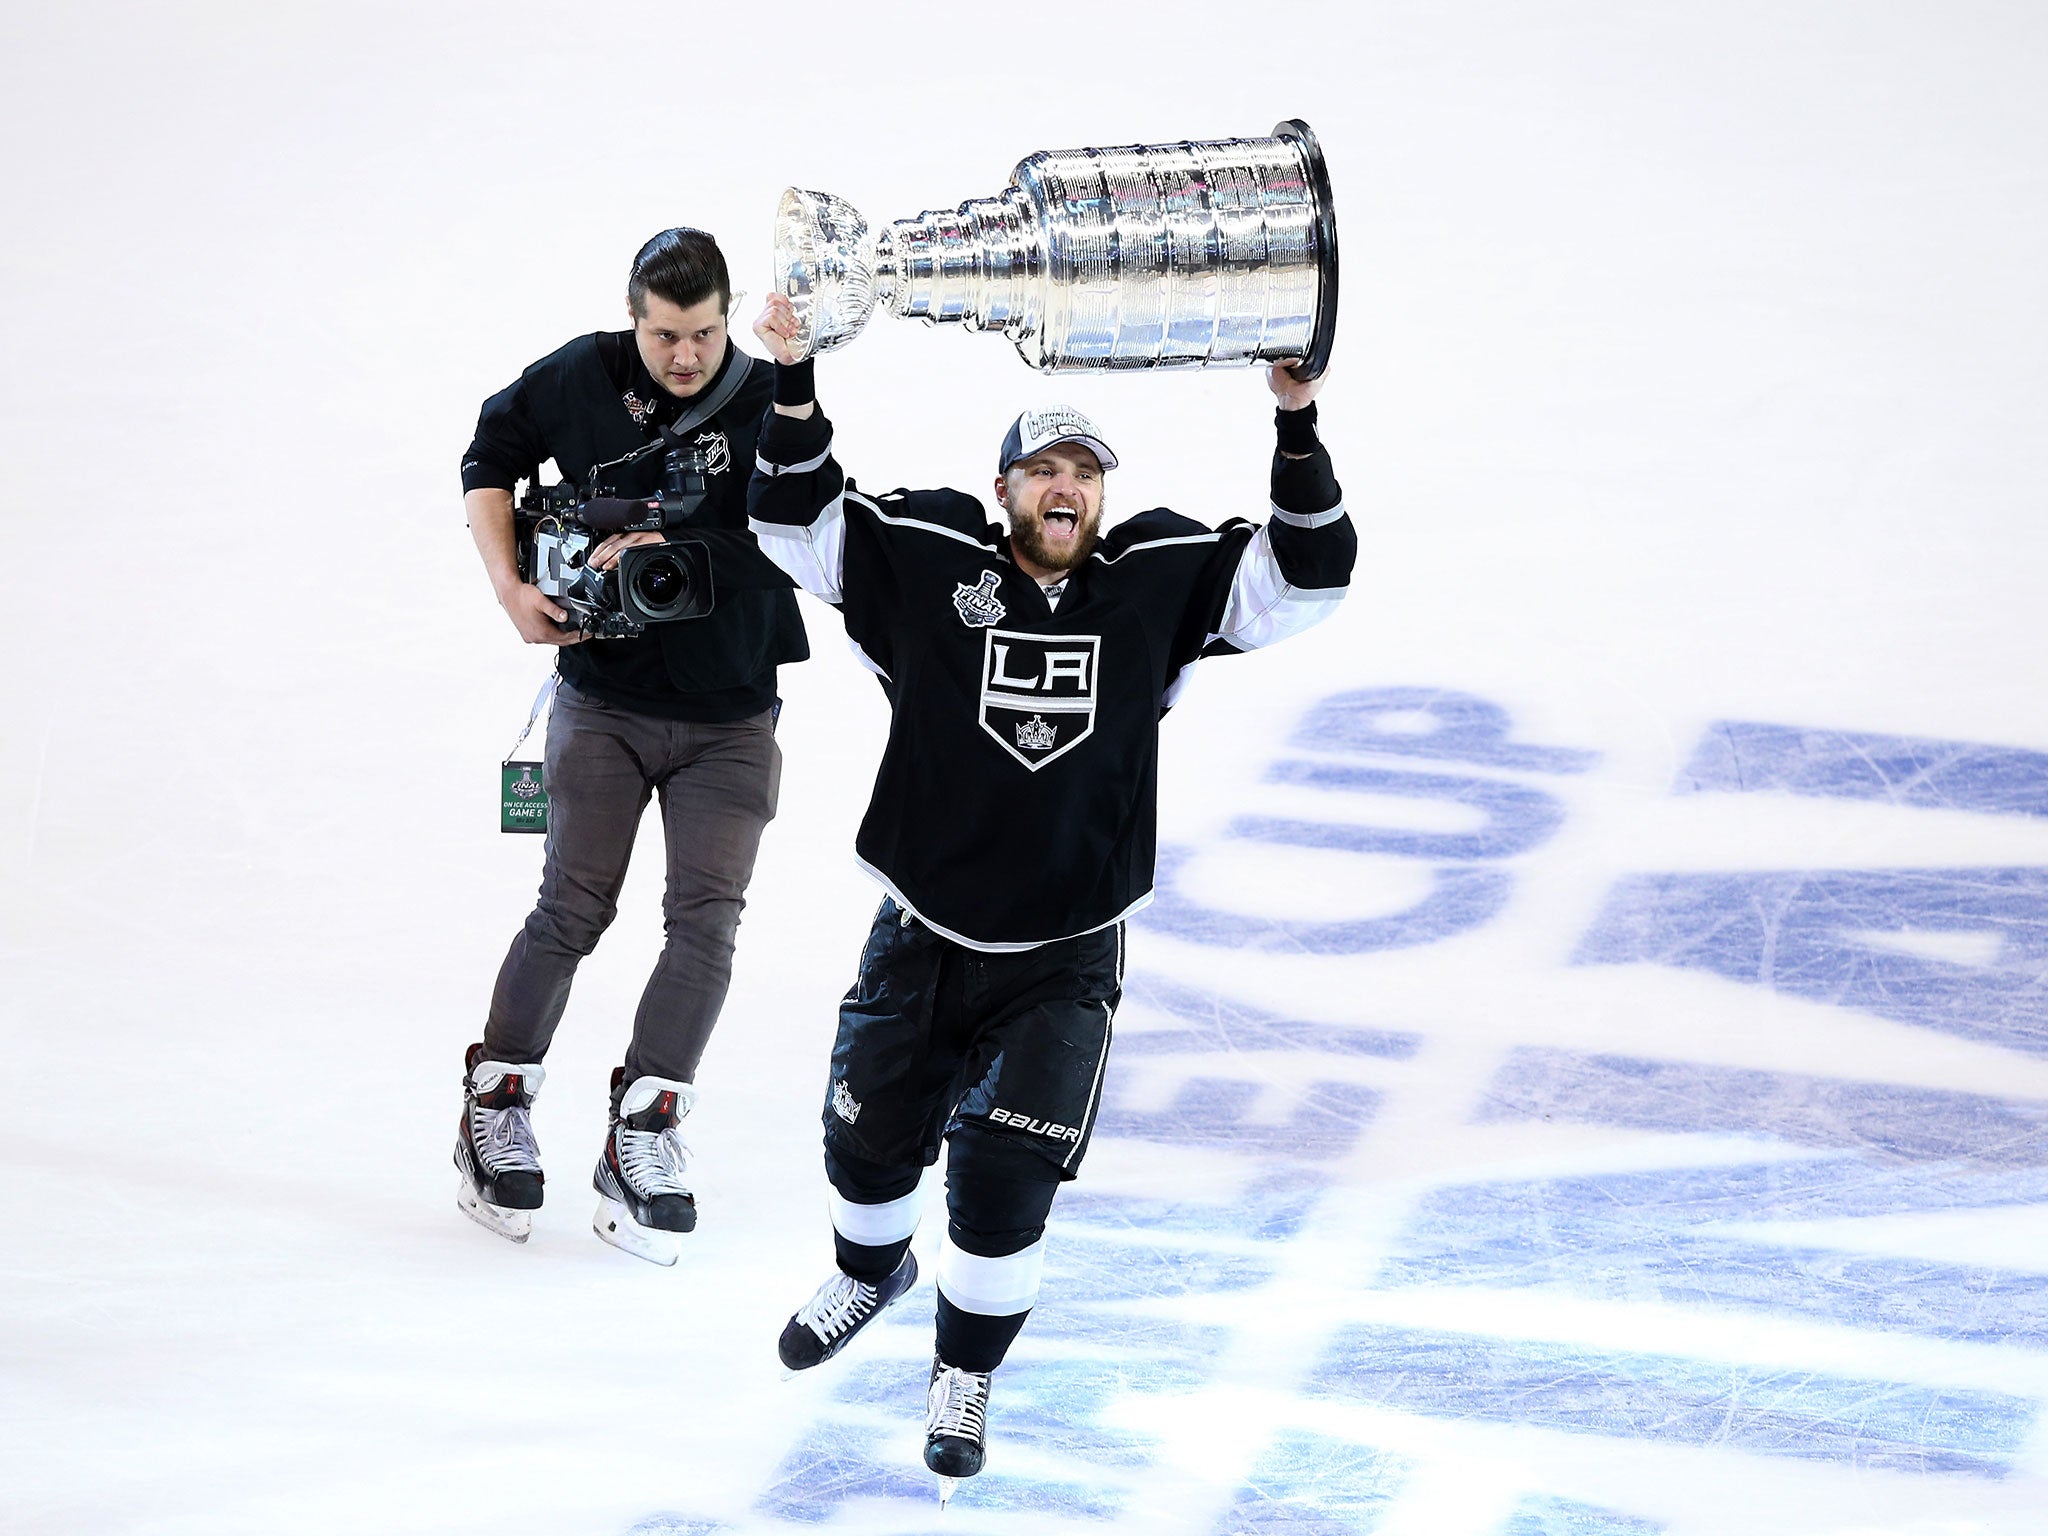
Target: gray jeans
{"type": "Point", "coordinates": [718, 786]}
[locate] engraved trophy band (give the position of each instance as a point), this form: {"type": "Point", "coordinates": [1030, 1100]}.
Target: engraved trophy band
{"type": "Point", "coordinates": [1221, 252]}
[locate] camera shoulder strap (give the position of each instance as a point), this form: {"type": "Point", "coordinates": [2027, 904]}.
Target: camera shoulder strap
{"type": "Point", "coordinates": [713, 400]}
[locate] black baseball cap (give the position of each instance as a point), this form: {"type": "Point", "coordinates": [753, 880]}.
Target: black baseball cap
{"type": "Point", "coordinates": [1035, 431]}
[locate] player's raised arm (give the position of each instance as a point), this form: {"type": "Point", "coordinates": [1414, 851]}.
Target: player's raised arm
{"type": "Point", "coordinates": [795, 501]}
{"type": "Point", "coordinates": [1298, 565]}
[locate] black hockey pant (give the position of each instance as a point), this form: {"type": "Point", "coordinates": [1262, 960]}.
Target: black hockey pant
{"type": "Point", "coordinates": [1002, 1055]}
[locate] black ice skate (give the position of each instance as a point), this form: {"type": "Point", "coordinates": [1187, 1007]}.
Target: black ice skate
{"type": "Point", "coordinates": [494, 1147]}
{"type": "Point", "coordinates": [955, 1424]}
{"type": "Point", "coordinates": [643, 1174]}
{"type": "Point", "coordinates": [839, 1309]}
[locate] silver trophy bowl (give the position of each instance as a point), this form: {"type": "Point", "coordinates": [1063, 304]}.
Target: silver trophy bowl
{"type": "Point", "coordinates": [1215, 253]}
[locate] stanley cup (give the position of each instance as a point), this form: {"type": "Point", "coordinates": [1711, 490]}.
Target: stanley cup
{"type": "Point", "coordinates": [1189, 255]}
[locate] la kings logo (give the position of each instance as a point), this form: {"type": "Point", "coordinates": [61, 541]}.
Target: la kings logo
{"type": "Point", "coordinates": [1038, 693]}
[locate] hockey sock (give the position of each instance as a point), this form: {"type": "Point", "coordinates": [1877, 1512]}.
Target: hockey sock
{"type": "Point", "coordinates": [974, 1341]}
{"type": "Point", "coordinates": [870, 1262]}
{"type": "Point", "coordinates": [874, 1214]}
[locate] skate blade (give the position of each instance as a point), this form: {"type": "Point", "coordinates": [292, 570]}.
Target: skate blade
{"type": "Point", "coordinates": [946, 1487]}
{"type": "Point", "coordinates": [615, 1224]}
{"type": "Point", "coordinates": [517, 1225]}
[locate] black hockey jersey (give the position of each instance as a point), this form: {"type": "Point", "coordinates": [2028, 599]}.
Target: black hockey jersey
{"type": "Point", "coordinates": [1016, 799]}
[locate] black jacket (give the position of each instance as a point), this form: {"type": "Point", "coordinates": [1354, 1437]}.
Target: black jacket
{"type": "Point", "coordinates": [593, 401]}
{"type": "Point", "coordinates": [1017, 796]}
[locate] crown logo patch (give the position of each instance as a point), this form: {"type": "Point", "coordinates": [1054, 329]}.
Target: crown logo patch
{"type": "Point", "coordinates": [1034, 735]}
{"type": "Point", "coordinates": [844, 1104]}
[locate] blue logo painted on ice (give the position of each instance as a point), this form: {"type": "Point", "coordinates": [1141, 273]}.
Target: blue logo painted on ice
{"type": "Point", "coordinates": [1706, 1203]}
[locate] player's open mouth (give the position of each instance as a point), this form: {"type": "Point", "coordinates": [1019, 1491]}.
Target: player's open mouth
{"type": "Point", "coordinates": [1061, 522]}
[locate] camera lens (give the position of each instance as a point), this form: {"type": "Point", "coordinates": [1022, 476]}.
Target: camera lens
{"type": "Point", "coordinates": [659, 583]}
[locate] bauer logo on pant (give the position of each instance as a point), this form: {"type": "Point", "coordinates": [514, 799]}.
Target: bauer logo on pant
{"type": "Point", "coordinates": [1038, 692]}
{"type": "Point", "coordinates": [1031, 1127]}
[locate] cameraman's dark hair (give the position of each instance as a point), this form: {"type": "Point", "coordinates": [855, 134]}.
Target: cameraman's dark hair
{"type": "Point", "coordinates": [683, 266]}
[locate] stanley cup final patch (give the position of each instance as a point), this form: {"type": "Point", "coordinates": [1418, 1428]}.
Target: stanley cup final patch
{"type": "Point", "coordinates": [979, 606]}
{"type": "Point", "coordinates": [1038, 692]}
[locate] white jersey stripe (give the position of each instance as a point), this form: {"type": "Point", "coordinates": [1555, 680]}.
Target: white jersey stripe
{"type": "Point", "coordinates": [1131, 549]}
{"type": "Point", "coordinates": [1263, 607]}
{"type": "Point", "coordinates": [1308, 519]}
{"type": "Point", "coordinates": [814, 557]}
{"type": "Point", "coordinates": [771, 469]}
{"type": "Point", "coordinates": [865, 659]}
{"type": "Point", "coordinates": [1178, 684]}
{"type": "Point", "coordinates": [919, 524]}
{"type": "Point", "coordinates": [961, 939]}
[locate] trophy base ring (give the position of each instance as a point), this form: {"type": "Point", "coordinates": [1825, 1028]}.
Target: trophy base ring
{"type": "Point", "coordinates": [1317, 358]}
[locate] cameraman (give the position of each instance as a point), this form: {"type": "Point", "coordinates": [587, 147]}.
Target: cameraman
{"type": "Point", "coordinates": [685, 712]}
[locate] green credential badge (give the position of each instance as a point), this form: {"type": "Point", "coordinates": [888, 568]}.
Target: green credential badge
{"type": "Point", "coordinates": [525, 800]}
{"type": "Point", "coordinates": [522, 801]}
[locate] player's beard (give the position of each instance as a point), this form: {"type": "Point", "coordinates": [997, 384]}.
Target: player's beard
{"type": "Point", "coordinates": [1027, 537]}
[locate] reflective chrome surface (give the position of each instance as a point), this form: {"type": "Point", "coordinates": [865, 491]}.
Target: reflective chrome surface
{"type": "Point", "coordinates": [825, 262]}
{"type": "Point", "coordinates": [1221, 252]}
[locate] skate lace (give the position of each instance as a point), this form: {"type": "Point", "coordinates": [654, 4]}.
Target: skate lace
{"type": "Point", "coordinates": [504, 1140]}
{"type": "Point", "coordinates": [653, 1162]}
{"type": "Point", "coordinates": [957, 1404]}
{"type": "Point", "coordinates": [839, 1304]}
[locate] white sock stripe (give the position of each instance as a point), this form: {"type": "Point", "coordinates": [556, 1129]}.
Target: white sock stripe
{"type": "Point", "coordinates": [991, 1287]}
{"type": "Point", "coordinates": [874, 1226]}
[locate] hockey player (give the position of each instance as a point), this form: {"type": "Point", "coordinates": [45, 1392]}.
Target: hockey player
{"type": "Point", "coordinates": [1011, 824]}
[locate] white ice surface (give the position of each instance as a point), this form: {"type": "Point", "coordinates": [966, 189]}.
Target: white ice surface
{"type": "Point", "coordinates": [1693, 368]}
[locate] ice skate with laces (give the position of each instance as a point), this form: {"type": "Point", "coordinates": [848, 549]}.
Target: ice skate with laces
{"type": "Point", "coordinates": [643, 1174]}
{"type": "Point", "coordinates": [955, 1424]}
{"type": "Point", "coordinates": [495, 1153]}
{"type": "Point", "coordinates": [839, 1309]}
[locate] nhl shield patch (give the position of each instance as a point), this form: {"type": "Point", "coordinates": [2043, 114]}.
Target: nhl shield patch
{"type": "Point", "coordinates": [717, 452]}
{"type": "Point", "coordinates": [1038, 692]}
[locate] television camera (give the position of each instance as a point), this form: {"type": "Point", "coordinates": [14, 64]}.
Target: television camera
{"type": "Point", "coordinates": [558, 527]}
